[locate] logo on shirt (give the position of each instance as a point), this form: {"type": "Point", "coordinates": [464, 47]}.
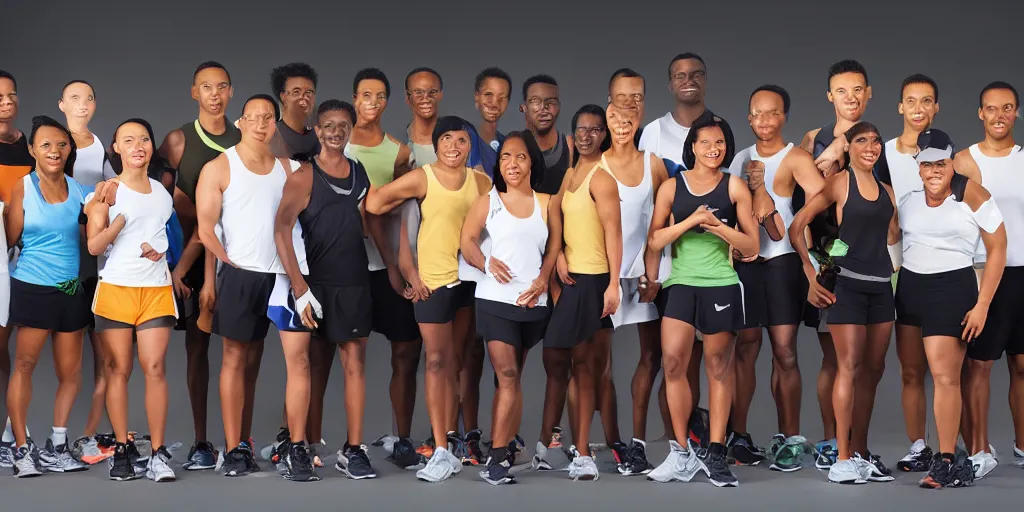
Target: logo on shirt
{"type": "Point", "coordinates": [719, 309]}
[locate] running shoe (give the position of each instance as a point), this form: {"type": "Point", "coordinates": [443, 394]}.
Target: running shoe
{"type": "Point", "coordinates": [90, 451]}
{"type": "Point", "coordinates": [439, 468]}
{"type": "Point", "coordinates": [121, 467]}
{"type": "Point", "coordinates": [920, 458]}
{"type": "Point", "coordinates": [498, 468]}
{"type": "Point", "coordinates": [24, 466]}
{"type": "Point", "coordinates": [7, 454]}
{"type": "Point", "coordinates": [583, 467]}
{"type": "Point", "coordinates": [556, 438]}
{"type": "Point", "coordinates": [475, 456]}
{"type": "Point", "coordinates": [404, 455]}
{"type": "Point", "coordinates": [787, 453]}
{"type": "Point", "coordinates": [201, 456]}
{"type": "Point", "coordinates": [636, 463]}
{"type": "Point", "coordinates": [354, 463]}
{"type": "Point", "coordinates": [427, 448]}
{"type": "Point", "coordinates": [680, 465]}
{"type": "Point", "coordinates": [827, 454]}
{"type": "Point", "coordinates": [516, 450]}
{"type": "Point", "coordinates": [540, 454]}
{"type": "Point", "coordinates": [879, 473]}
{"type": "Point", "coordinates": [1018, 456]}
{"type": "Point", "coordinates": [157, 469]}
{"type": "Point", "coordinates": [743, 451]}
{"type": "Point", "coordinates": [983, 463]}
{"type": "Point", "coordinates": [715, 466]}
{"type": "Point", "coordinates": [298, 463]}
{"type": "Point", "coordinates": [236, 461]}
{"type": "Point", "coordinates": [948, 470]}
{"type": "Point", "coordinates": [846, 471]}
{"type": "Point", "coordinates": [270, 451]}
{"type": "Point", "coordinates": [58, 459]}
{"type": "Point", "coordinates": [621, 454]}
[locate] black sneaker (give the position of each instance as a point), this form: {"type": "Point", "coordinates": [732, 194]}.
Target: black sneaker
{"type": "Point", "coordinates": [920, 458]}
{"type": "Point", "coordinates": [621, 453]}
{"type": "Point", "coordinates": [121, 466]}
{"type": "Point", "coordinates": [637, 463]}
{"type": "Point", "coordinates": [961, 474]}
{"type": "Point", "coordinates": [498, 466]}
{"type": "Point", "coordinates": [404, 455]}
{"type": "Point", "coordinates": [355, 463]}
{"type": "Point", "coordinates": [742, 451]}
{"type": "Point", "coordinates": [715, 466]}
{"type": "Point", "coordinates": [457, 446]}
{"type": "Point", "coordinates": [273, 452]}
{"type": "Point", "coordinates": [235, 461]}
{"type": "Point", "coordinates": [476, 454]}
{"type": "Point", "coordinates": [298, 462]}
{"type": "Point", "coordinates": [880, 473]}
{"type": "Point", "coordinates": [250, 459]}
{"type": "Point", "coordinates": [201, 456]}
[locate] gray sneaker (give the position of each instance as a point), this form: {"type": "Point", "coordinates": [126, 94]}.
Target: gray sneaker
{"type": "Point", "coordinates": [24, 465]}
{"type": "Point", "coordinates": [7, 455]}
{"type": "Point", "coordinates": [846, 471]}
{"type": "Point", "coordinates": [583, 468]}
{"type": "Point", "coordinates": [680, 465]}
{"type": "Point", "coordinates": [58, 459]}
{"type": "Point", "coordinates": [157, 469]}
{"type": "Point", "coordinates": [439, 468]}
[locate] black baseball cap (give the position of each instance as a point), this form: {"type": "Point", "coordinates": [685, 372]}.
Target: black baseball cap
{"type": "Point", "coordinates": [934, 145]}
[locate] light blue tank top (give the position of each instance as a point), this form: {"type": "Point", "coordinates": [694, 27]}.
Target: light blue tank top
{"type": "Point", "coordinates": [50, 241]}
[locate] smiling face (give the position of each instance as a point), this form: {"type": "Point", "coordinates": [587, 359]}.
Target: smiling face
{"type": "Point", "coordinates": [333, 129]}
{"type": "Point", "coordinates": [514, 162]}
{"type": "Point", "coordinates": [371, 98]}
{"type": "Point", "coordinates": [918, 106]}
{"type": "Point", "coordinates": [590, 134]}
{"type": "Point", "coordinates": [622, 124]}
{"type": "Point", "coordinates": [424, 94]}
{"type": "Point", "coordinates": [78, 102]}
{"type": "Point", "coordinates": [709, 147]}
{"type": "Point", "coordinates": [849, 92]}
{"type": "Point", "coordinates": [453, 148]}
{"type": "Point", "coordinates": [864, 150]}
{"type": "Point", "coordinates": [492, 99]}
{"type": "Point", "coordinates": [132, 142]}
{"type": "Point", "coordinates": [767, 115]}
{"type": "Point", "coordinates": [50, 148]}
{"type": "Point", "coordinates": [937, 176]}
{"type": "Point", "coordinates": [258, 121]}
{"type": "Point", "coordinates": [687, 80]}
{"type": "Point", "coordinates": [212, 89]}
{"type": "Point", "coordinates": [999, 113]}
{"type": "Point", "coordinates": [299, 95]}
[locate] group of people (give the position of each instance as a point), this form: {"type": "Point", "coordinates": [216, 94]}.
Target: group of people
{"type": "Point", "coordinates": [314, 219]}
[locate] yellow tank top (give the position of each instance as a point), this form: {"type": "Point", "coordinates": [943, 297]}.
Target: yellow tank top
{"type": "Point", "coordinates": [582, 231]}
{"type": "Point", "coordinates": [442, 214]}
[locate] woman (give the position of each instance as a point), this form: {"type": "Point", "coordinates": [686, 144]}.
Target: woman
{"type": "Point", "coordinates": [446, 190]}
{"type": "Point", "coordinates": [511, 298]}
{"type": "Point", "coordinates": [937, 295]}
{"type": "Point", "coordinates": [134, 297]}
{"type": "Point", "coordinates": [78, 103]}
{"type": "Point", "coordinates": [697, 212]}
{"type": "Point", "coordinates": [590, 139]}
{"type": "Point", "coordinates": [48, 300]}
{"type": "Point", "coordinates": [860, 300]}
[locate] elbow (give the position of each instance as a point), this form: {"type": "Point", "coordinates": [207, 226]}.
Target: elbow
{"type": "Point", "coordinates": [95, 249]}
{"type": "Point", "coordinates": [373, 206]}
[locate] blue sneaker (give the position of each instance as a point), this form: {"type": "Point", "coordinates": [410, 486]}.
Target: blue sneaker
{"type": "Point", "coordinates": [827, 454]}
{"type": "Point", "coordinates": [202, 456]}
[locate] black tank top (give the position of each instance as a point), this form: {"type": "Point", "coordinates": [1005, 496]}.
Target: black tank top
{"type": "Point", "coordinates": [685, 202]}
{"type": "Point", "coordinates": [865, 231]}
{"type": "Point", "coordinates": [556, 161]}
{"type": "Point", "coordinates": [332, 228]}
{"type": "Point", "coordinates": [824, 227]}
{"type": "Point", "coordinates": [197, 154]}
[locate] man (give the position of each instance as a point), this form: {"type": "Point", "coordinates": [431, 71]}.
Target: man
{"type": "Point", "coordinates": [15, 163]}
{"type": "Point", "coordinates": [542, 106]}
{"type": "Point", "coordinates": [239, 192]}
{"type": "Point", "coordinates": [424, 89]}
{"type": "Point", "coordinates": [849, 92]}
{"type": "Point", "coordinates": [774, 288]}
{"type": "Point", "coordinates": [294, 85]}
{"type": "Point", "coordinates": [187, 150]}
{"type": "Point", "coordinates": [687, 81]}
{"type": "Point", "coordinates": [385, 159]}
{"type": "Point", "coordinates": [919, 103]}
{"type": "Point", "coordinates": [492, 88]}
{"type": "Point", "coordinates": [995, 162]}
{"type": "Point", "coordinates": [325, 196]}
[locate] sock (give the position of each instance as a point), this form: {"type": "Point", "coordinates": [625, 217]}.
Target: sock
{"type": "Point", "coordinates": [8, 433]}
{"type": "Point", "coordinates": [59, 436]}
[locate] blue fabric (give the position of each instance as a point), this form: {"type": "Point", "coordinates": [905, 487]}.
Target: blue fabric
{"type": "Point", "coordinates": [673, 168]}
{"type": "Point", "coordinates": [482, 153]}
{"type": "Point", "coordinates": [175, 240]}
{"type": "Point", "coordinates": [50, 240]}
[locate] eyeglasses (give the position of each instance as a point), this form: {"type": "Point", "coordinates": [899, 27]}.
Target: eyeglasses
{"type": "Point", "coordinates": [422, 93]}
{"type": "Point", "coordinates": [627, 100]}
{"type": "Point", "coordinates": [769, 114]}
{"type": "Point", "coordinates": [683, 76]}
{"type": "Point", "coordinates": [259, 120]}
{"type": "Point", "coordinates": [296, 93]}
{"type": "Point", "coordinates": [538, 104]}
{"type": "Point", "coordinates": [584, 131]}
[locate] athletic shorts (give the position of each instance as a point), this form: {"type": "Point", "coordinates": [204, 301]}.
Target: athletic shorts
{"type": "Point", "coordinates": [936, 303]}
{"type": "Point", "coordinates": [393, 315]}
{"type": "Point", "coordinates": [710, 309]}
{"type": "Point", "coordinates": [347, 311]}
{"type": "Point", "coordinates": [631, 310]}
{"type": "Point", "coordinates": [515, 325]}
{"type": "Point", "coordinates": [119, 307]}
{"type": "Point", "coordinates": [89, 287]}
{"type": "Point", "coordinates": [49, 308]}
{"type": "Point", "coordinates": [774, 291]}
{"type": "Point", "coordinates": [5, 298]}
{"type": "Point", "coordinates": [243, 296]}
{"type": "Point", "coordinates": [577, 315]}
{"type": "Point", "coordinates": [444, 302]}
{"type": "Point", "coordinates": [1004, 330]}
{"type": "Point", "coordinates": [861, 302]}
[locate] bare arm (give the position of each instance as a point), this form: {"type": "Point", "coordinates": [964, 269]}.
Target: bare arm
{"type": "Point", "coordinates": [294, 199]}
{"type": "Point", "coordinates": [995, 246]}
{"type": "Point", "coordinates": [100, 233]}
{"type": "Point", "coordinates": [652, 258]}
{"type": "Point", "coordinates": [554, 245]}
{"type": "Point", "coordinates": [606, 195]}
{"type": "Point", "coordinates": [213, 180]}
{"type": "Point", "coordinates": [807, 143]}
{"type": "Point", "coordinates": [193, 249]}
{"type": "Point", "coordinates": [965, 165]}
{"type": "Point", "coordinates": [663, 233]}
{"type": "Point", "coordinates": [384, 199]}
{"type": "Point", "coordinates": [173, 147]}
{"type": "Point", "coordinates": [746, 239]}
{"type": "Point", "coordinates": [471, 230]}
{"type": "Point", "coordinates": [894, 235]}
{"type": "Point", "coordinates": [14, 221]}
{"type": "Point", "coordinates": [805, 174]}
{"type": "Point", "coordinates": [811, 209]}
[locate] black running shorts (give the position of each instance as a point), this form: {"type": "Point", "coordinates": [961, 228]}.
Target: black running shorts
{"type": "Point", "coordinates": [240, 313]}
{"type": "Point", "coordinates": [393, 315]}
{"type": "Point", "coordinates": [515, 325]}
{"type": "Point", "coordinates": [444, 302]}
{"type": "Point", "coordinates": [774, 291]}
{"type": "Point", "coordinates": [1004, 330]}
{"type": "Point", "coordinates": [577, 315]}
{"type": "Point", "coordinates": [936, 303]}
{"type": "Point", "coordinates": [48, 308]}
{"type": "Point", "coordinates": [861, 302]}
{"type": "Point", "coordinates": [711, 309]}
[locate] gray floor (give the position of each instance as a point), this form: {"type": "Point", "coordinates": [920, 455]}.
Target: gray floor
{"type": "Point", "coordinates": [398, 490]}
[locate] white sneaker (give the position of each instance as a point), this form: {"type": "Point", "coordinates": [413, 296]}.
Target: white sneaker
{"type": "Point", "coordinates": [439, 468]}
{"type": "Point", "coordinates": [583, 468]}
{"type": "Point", "coordinates": [1018, 456]}
{"type": "Point", "coordinates": [158, 470]}
{"type": "Point", "coordinates": [7, 455]}
{"type": "Point", "coordinates": [680, 465]}
{"type": "Point", "coordinates": [984, 463]}
{"type": "Point", "coordinates": [455, 462]}
{"type": "Point", "coordinates": [869, 471]}
{"type": "Point", "coordinates": [847, 471]}
{"type": "Point", "coordinates": [540, 453]}
{"type": "Point", "coordinates": [24, 464]}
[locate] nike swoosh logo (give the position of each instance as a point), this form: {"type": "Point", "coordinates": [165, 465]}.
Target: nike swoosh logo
{"type": "Point", "coordinates": [721, 308]}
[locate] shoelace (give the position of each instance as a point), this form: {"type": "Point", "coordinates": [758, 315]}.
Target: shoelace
{"type": "Point", "coordinates": [301, 457]}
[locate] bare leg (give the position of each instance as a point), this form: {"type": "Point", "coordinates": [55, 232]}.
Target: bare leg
{"type": "Point", "coordinates": [232, 389]}
{"type": "Point", "coordinates": [99, 389]}
{"type": "Point", "coordinates": [557, 366]}
{"type": "Point", "coordinates": [120, 361]}
{"type": "Point", "coordinates": [67, 361]}
{"type": "Point", "coordinates": [1016, 367]}
{"type": "Point", "coordinates": [437, 341]}
{"type": "Point", "coordinates": [719, 363]}
{"type": "Point", "coordinates": [353, 361]}
{"type": "Point", "coordinates": [677, 347]}
{"type": "Point", "coordinates": [152, 354]}
{"type": "Point", "coordinates": [826, 384]}
{"type": "Point", "coordinates": [505, 361]}
{"type": "Point", "coordinates": [252, 373]}
{"type": "Point", "coordinates": [321, 359]}
{"type": "Point", "coordinates": [913, 368]}
{"type": "Point", "coordinates": [297, 383]}
{"type": "Point", "coordinates": [787, 387]}
{"type": "Point", "coordinates": [27, 347]}
{"type": "Point", "coordinates": [748, 347]}
{"type": "Point", "coordinates": [872, 367]}
{"type": "Point", "coordinates": [647, 369]}
{"type": "Point", "coordinates": [945, 359]}
{"type": "Point", "coordinates": [405, 358]}
{"type": "Point", "coordinates": [197, 350]}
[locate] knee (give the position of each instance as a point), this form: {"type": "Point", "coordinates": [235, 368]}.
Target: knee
{"type": "Point", "coordinates": [234, 359]}
{"type": "Point", "coordinates": [25, 365]}
{"type": "Point", "coordinates": [120, 372]}
{"type": "Point", "coordinates": [153, 370]}
{"type": "Point", "coordinates": [437, 361]}
{"type": "Point", "coordinates": [875, 369]}
{"type": "Point", "coordinates": [404, 361]}
{"type": "Point", "coordinates": [913, 376]}
{"type": "Point", "coordinates": [946, 379]}
{"type": "Point", "coordinates": [849, 366]}
{"type": "Point", "coordinates": [508, 376]}
{"type": "Point", "coordinates": [717, 366]}
{"type": "Point", "coordinates": [556, 365]}
{"type": "Point", "coordinates": [1016, 369]}
{"type": "Point", "coordinates": [582, 362]}
{"type": "Point", "coordinates": [650, 360]}
{"type": "Point", "coordinates": [674, 366]}
{"type": "Point", "coordinates": [748, 349]}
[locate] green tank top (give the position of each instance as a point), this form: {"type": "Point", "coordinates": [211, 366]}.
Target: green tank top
{"type": "Point", "coordinates": [379, 160]}
{"type": "Point", "coordinates": [700, 258]}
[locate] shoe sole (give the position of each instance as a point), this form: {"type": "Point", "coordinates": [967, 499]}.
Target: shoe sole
{"type": "Point", "coordinates": [742, 456]}
{"type": "Point", "coordinates": [125, 478]}
{"type": "Point", "coordinates": [717, 483]}
{"type": "Point", "coordinates": [197, 467]}
{"type": "Point", "coordinates": [585, 478]}
{"type": "Point", "coordinates": [164, 479]}
{"type": "Point", "coordinates": [784, 469]}
{"type": "Point", "coordinates": [350, 476]}
{"type": "Point", "coordinates": [858, 481]}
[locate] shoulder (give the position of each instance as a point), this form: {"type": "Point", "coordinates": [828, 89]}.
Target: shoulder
{"type": "Point", "coordinates": [736, 168]}
{"type": "Point", "coordinates": [809, 137]}
{"type": "Point", "coordinates": [176, 138]}
{"type": "Point", "coordinates": [975, 195]}
{"type": "Point", "coordinates": [482, 180]}
{"type": "Point", "coordinates": [798, 156]}
{"type": "Point", "coordinates": [737, 186]}
{"type": "Point", "coordinates": [543, 199]}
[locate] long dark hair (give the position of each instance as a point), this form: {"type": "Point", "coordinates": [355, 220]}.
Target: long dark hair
{"type": "Point", "coordinates": [537, 167]}
{"type": "Point", "coordinates": [690, 158]}
{"type": "Point", "coordinates": [41, 121]}
{"type": "Point", "coordinates": [594, 110]}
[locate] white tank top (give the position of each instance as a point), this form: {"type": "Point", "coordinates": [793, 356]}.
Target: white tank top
{"type": "Point", "coordinates": [636, 205]}
{"type": "Point", "coordinates": [520, 244]}
{"type": "Point", "coordinates": [247, 216]}
{"type": "Point", "coordinates": [904, 171]}
{"type": "Point", "coordinates": [146, 217]}
{"type": "Point", "coordinates": [943, 238]}
{"type": "Point", "coordinates": [1001, 177]}
{"type": "Point", "coordinates": [784, 205]}
{"type": "Point", "coordinates": [89, 164]}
